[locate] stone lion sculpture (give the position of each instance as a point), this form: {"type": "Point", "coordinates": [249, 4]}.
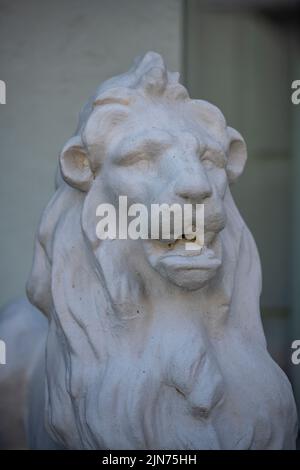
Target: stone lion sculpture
{"type": "Point", "coordinates": [145, 346]}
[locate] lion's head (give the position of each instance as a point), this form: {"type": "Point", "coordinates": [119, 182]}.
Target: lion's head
{"type": "Point", "coordinates": [148, 346]}
{"type": "Point", "coordinates": [144, 138]}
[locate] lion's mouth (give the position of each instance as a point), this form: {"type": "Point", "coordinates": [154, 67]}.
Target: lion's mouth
{"type": "Point", "coordinates": [187, 268]}
{"type": "Point", "coordinates": [186, 253]}
{"type": "Point", "coordinates": [192, 254]}
{"type": "Point", "coordinates": [186, 246]}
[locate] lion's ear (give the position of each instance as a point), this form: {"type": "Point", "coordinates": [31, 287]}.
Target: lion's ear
{"type": "Point", "coordinates": [75, 165]}
{"type": "Point", "coordinates": [237, 155]}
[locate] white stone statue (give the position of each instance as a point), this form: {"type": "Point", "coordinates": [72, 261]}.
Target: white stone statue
{"type": "Point", "coordinates": [145, 346]}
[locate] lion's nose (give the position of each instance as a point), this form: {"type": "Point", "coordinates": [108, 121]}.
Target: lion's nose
{"type": "Point", "coordinates": [193, 187]}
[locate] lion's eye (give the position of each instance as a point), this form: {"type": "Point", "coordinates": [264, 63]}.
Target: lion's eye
{"type": "Point", "coordinates": [213, 159]}
{"type": "Point", "coordinates": [137, 159]}
{"type": "Point", "coordinates": [208, 164]}
{"type": "Point", "coordinates": [143, 154]}
{"type": "Point", "coordinates": [143, 164]}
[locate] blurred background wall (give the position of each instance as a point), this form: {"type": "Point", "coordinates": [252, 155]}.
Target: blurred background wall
{"type": "Point", "coordinates": [242, 55]}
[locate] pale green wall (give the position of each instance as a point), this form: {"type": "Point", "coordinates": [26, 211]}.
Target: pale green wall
{"type": "Point", "coordinates": [52, 56]}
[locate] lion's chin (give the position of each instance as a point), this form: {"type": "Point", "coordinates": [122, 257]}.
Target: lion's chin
{"type": "Point", "coordinates": [187, 269]}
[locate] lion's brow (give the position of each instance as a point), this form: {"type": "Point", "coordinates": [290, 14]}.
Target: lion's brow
{"type": "Point", "coordinates": [112, 100]}
{"type": "Point", "coordinates": [142, 143]}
